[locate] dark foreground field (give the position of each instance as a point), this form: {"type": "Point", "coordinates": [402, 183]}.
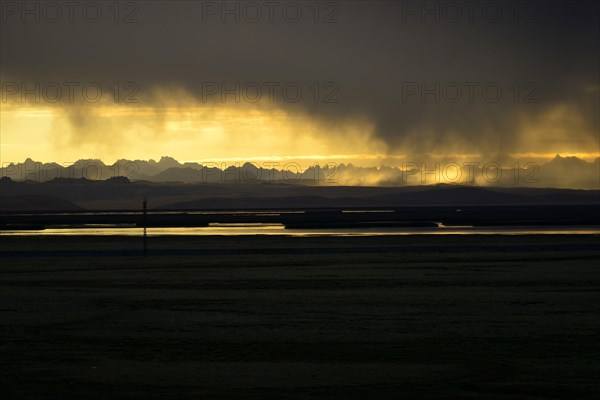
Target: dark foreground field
{"type": "Point", "coordinates": [490, 317]}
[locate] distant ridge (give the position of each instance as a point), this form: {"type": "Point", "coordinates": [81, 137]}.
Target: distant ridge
{"type": "Point", "coordinates": [122, 194]}
{"type": "Point", "coordinates": [445, 195]}
{"type": "Point", "coordinates": [36, 203]}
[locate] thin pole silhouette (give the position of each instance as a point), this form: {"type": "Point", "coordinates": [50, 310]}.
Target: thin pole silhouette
{"type": "Point", "coordinates": [145, 203]}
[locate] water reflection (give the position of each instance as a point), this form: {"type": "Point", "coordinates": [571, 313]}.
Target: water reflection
{"type": "Point", "coordinates": [234, 229]}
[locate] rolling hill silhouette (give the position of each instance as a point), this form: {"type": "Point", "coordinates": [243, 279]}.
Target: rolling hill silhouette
{"type": "Point", "coordinates": [121, 193]}
{"type": "Point", "coordinates": [36, 203]}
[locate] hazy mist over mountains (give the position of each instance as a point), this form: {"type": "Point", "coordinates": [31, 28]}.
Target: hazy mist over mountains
{"type": "Point", "coordinates": [560, 172]}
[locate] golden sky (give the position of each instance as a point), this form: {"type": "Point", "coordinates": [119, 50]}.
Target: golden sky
{"type": "Point", "coordinates": [196, 132]}
{"type": "Point", "coordinates": [210, 133]}
{"type": "Point", "coordinates": [547, 73]}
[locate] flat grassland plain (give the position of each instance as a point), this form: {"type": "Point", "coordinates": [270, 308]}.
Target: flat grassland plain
{"type": "Point", "coordinates": [256, 317]}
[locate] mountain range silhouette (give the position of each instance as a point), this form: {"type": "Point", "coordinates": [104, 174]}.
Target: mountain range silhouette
{"type": "Point", "coordinates": [560, 172]}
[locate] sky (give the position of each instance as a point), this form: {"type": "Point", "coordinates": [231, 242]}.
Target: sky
{"type": "Point", "coordinates": [371, 83]}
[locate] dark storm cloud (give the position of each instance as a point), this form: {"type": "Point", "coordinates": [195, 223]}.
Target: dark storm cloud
{"type": "Point", "coordinates": [379, 54]}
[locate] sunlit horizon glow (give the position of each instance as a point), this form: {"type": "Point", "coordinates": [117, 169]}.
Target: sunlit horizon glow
{"type": "Point", "coordinates": [232, 134]}
{"type": "Point", "coordinates": [201, 132]}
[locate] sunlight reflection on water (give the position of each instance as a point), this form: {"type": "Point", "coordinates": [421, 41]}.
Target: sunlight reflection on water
{"type": "Point", "coordinates": [279, 229]}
